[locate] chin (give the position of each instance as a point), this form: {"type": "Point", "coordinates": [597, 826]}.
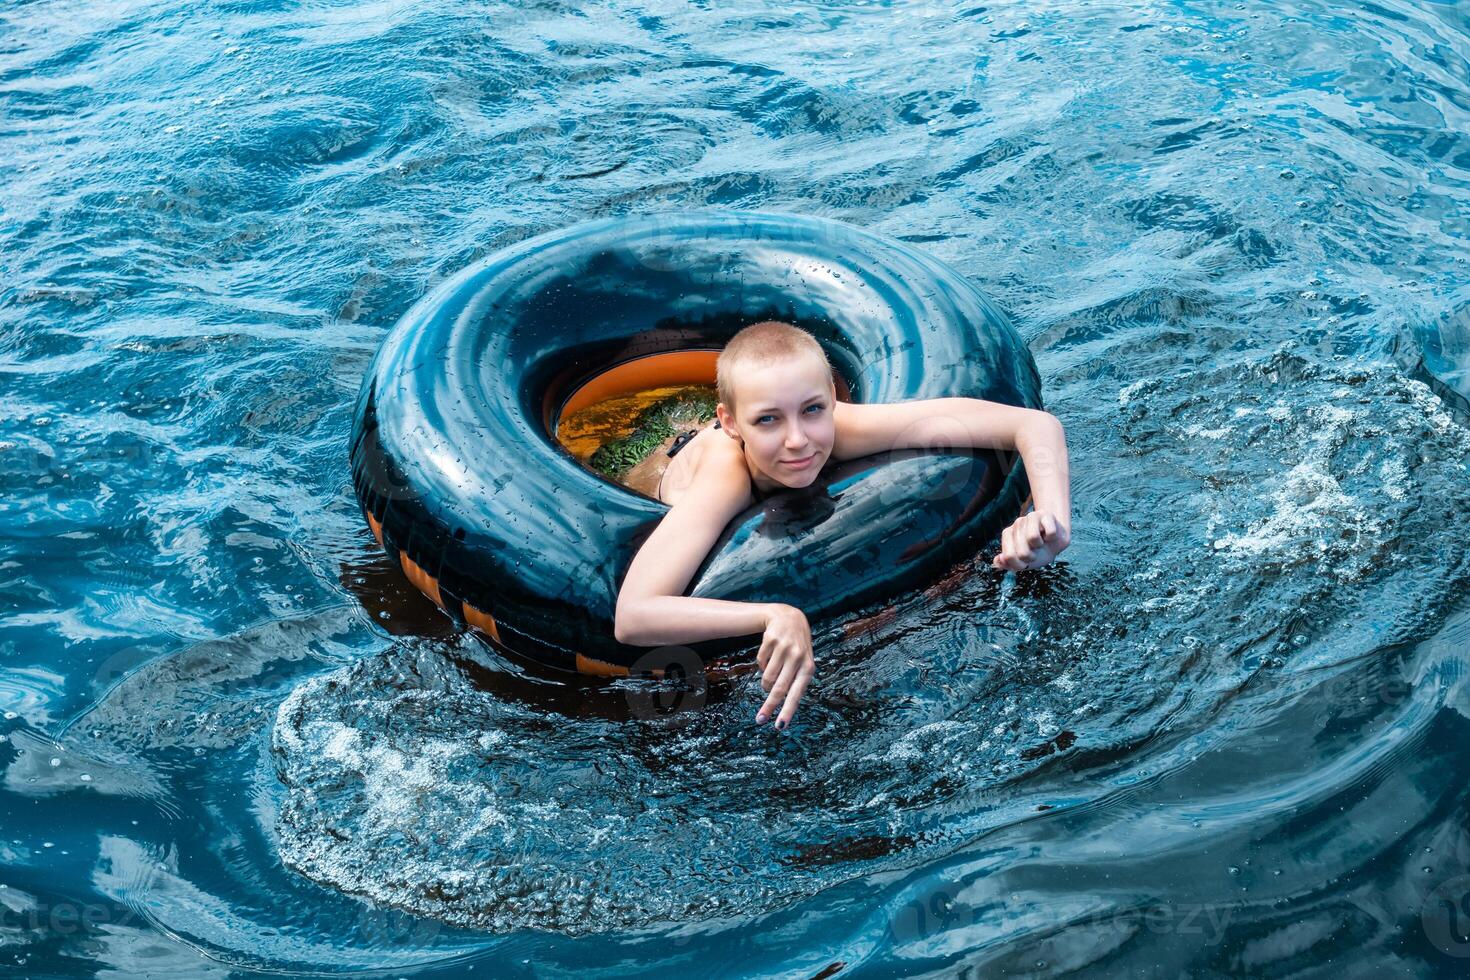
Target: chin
{"type": "Point", "coordinates": [806, 477]}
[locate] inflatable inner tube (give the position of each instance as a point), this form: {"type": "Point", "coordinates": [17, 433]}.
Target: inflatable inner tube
{"type": "Point", "coordinates": [459, 472]}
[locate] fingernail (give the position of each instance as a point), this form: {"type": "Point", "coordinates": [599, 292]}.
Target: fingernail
{"type": "Point", "coordinates": [780, 724]}
{"type": "Point", "coordinates": [760, 719]}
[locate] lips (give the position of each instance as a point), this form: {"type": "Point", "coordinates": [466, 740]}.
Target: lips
{"type": "Point", "coordinates": [800, 464]}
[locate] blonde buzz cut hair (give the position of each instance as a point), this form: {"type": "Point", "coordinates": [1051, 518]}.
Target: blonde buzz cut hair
{"type": "Point", "coordinates": [758, 345]}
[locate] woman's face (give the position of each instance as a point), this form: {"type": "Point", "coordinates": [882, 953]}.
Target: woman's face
{"type": "Point", "coordinates": [783, 415]}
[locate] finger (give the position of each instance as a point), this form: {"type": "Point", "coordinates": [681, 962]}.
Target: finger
{"type": "Point", "coordinates": [1019, 548]}
{"type": "Point", "coordinates": [768, 678]}
{"type": "Point", "coordinates": [781, 687]}
{"type": "Point", "coordinates": [763, 655]}
{"type": "Point", "coordinates": [1033, 532]}
{"type": "Point", "coordinates": [1040, 557]}
{"type": "Point", "coordinates": [793, 698]}
{"type": "Point", "coordinates": [773, 668]}
{"type": "Point", "coordinates": [1006, 559]}
{"type": "Point", "coordinates": [1007, 556]}
{"type": "Point", "coordinates": [1050, 528]}
{"type": "Point", "coordinates": [1010, 557]}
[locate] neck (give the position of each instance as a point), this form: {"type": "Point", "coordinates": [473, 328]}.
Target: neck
{"type": "Point", "coordinates": [762, 482]}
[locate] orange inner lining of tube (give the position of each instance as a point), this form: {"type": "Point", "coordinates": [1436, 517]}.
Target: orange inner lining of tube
{"type": "Point", "coordinates": [680, 367]}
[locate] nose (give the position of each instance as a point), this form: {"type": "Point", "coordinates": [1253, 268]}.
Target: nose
{"type": "Point", "coordinates": [795, 437]}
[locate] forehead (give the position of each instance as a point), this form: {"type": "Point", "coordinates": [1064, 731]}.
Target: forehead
{"type": "Point", "coordinates": [792, 380]}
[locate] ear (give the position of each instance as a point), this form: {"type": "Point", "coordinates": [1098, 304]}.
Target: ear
{"type": "Point", "coordinates": [727, 421]}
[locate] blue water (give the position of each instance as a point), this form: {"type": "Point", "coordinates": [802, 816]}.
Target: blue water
{"type": "Point", "coordinates": [1223, 736]}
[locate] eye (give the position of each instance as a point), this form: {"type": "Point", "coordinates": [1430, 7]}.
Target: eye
{"type": "Point", "coordinates": [818, 406]}
{"type": "Point", "coordinates": [762, 419]}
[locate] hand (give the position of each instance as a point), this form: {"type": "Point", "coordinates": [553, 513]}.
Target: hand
{"type": "Point", "coordinates": [786, 663]}
{"type": "Point", "coordinates": [1033, 541]}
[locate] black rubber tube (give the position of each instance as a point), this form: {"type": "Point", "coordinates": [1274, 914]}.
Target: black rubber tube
{"type": "Point", "coordinates": [456, 465]}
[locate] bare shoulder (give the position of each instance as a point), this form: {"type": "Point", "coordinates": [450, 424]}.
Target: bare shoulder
{"type": "Point", "coordinates": [712, 452]}
{"type": "Point", "coordinates": [720, 482]}
{"type": "Point", "coordinates": [718, 490]}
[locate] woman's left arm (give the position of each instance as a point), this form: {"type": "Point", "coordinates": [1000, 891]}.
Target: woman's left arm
{"type": "Point", "coordinates": [936, 423]}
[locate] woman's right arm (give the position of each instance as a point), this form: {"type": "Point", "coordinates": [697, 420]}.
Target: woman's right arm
{"type": "Point", "coordinates": [652, 608]}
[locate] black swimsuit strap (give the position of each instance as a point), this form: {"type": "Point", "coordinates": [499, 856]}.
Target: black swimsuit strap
{"type": "Point", "coordinates": [679, 442]}
{"type": "Point", "coordinates": [680, 439]}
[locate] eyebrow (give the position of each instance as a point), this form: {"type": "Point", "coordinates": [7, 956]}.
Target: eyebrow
{"type": "Point", "coordinates": [776, 408]}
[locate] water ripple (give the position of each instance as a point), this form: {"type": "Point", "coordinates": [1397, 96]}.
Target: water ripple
{"type": "Point", "coordinates": [1221, 737]}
